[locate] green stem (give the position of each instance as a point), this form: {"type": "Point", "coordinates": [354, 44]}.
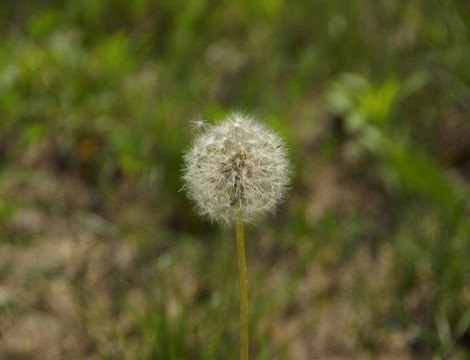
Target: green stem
{"type": "Point", "coordinates": [243, 287]}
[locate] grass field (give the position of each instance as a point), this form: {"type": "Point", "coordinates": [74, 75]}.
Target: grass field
{"type": "Point", "coordinates": [103, 257]}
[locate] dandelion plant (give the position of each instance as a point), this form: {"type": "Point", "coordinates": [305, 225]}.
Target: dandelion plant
{"type": "Point", "coordinates": [236, 172]}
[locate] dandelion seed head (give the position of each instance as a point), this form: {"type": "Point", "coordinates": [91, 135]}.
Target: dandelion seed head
{"type": "Point", "coordinates": [236, 164]}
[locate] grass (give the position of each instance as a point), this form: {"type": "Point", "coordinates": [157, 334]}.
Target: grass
{"type": "Point", "coordinates": [102, 257]}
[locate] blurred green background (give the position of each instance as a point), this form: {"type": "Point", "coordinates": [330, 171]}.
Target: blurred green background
{"type": "Point", "coordinates": [101, 255]}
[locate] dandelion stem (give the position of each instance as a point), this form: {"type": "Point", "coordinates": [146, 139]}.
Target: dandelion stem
{"type": "Point", "coordinates": [243, 286]}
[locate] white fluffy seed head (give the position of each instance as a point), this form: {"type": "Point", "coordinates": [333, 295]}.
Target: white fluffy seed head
{"type": "Point", "coordinates": [237, 164]}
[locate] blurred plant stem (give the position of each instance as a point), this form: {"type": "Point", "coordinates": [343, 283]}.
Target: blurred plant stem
{"type": "Point", "coordinates": [243, 286]}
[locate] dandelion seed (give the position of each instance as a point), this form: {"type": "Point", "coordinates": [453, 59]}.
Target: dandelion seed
{"type": "Point", "coordinates": [198, 125]}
